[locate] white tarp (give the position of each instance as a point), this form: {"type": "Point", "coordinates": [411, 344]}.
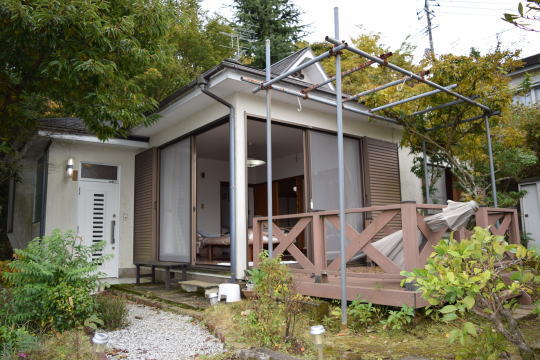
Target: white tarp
{"type": "Point", "coordinates": [455, 215]}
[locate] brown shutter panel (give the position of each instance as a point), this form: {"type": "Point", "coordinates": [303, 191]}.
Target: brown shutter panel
{"type": "Point", "coordinates": [146, 205]}
{"type": "Point", "coordinates": [381, 176]}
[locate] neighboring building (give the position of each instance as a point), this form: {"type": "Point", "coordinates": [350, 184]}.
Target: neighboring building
{"type": "Point", "coordinates": [163, 194]}
{"type": "Point", "coordinates": [530, 204]}
{"type": "Point", "coordinates": [531, 68]}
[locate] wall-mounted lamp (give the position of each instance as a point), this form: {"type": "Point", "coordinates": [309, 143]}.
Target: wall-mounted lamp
{"type": "Point", "coordinates": [69, 167]}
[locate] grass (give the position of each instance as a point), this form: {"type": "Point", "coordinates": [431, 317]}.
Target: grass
{"type": "Point", "coordinates": [425, 338]}
{"type": "Point", "coordinates": [112, 310]}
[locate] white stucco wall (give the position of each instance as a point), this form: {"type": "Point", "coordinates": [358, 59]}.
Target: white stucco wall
{"type": "Point", "coordinates": [62, 191]}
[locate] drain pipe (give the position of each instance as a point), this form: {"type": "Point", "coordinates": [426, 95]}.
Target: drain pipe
{"type": "Point", "coordinates": [203, 84]}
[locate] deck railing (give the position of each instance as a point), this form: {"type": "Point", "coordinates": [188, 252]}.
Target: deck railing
{"type": "Point", "coordinates": [502, 221]}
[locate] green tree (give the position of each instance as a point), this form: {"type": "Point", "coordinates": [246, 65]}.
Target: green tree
{"type": "Point", "coordinates": [461, 147]}
{"type": "Point", "coordinates": [107, 62]}
{"type": "Point", "coordinates": [527, 17]}
{"type": "Point", "coordinates": [277, 20]}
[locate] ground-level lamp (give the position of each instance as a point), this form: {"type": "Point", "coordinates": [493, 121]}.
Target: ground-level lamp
{"type": "Point", "coordinates": [99, 342]}
{"type": "Point", "coordinates": [317, 335]}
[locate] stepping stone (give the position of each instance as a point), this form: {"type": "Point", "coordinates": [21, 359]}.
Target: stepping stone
{"type": "Point", "coordinates": [195, 285]}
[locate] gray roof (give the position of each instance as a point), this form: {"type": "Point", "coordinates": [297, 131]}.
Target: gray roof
{"type": "Point", "coordinates": [68, 125]}
{"type": "Point", "coordinates": [285, 64]}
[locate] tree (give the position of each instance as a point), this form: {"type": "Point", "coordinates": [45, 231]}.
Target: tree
{"type": "Point", "coordinates": [459, 146]}
{"type": "Point", "coordinates": [527, 17]}
{"type": "Point", "coordinates": [107, 62]}
{"type": "Point", "coordinates": [482, 275]}
{"type": "Point", "coordinates": [277, 20]}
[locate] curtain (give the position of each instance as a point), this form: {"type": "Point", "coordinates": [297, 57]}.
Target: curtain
{"type": "Point", "coordinates": [175, 202]}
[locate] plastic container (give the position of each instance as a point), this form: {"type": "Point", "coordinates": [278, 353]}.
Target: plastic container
{"type": "Point", "coordinates": [100, 341]}
{"type": "Point", "coordinates": [213, 298]}
{"type": "Point", "coordinates": [230, 291]}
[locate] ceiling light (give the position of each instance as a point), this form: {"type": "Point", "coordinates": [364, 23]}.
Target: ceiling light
{"type": "Point", "coordinates": [254, 162]}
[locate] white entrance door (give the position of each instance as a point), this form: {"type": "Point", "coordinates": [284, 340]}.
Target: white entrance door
{"type": "Point", "coordinates": [98, 219]}
{"type": "Point", "coordinates": [531, 212]}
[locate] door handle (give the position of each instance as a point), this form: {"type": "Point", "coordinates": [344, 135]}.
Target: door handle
{"type": "Point", "coordinates": [113, 226]}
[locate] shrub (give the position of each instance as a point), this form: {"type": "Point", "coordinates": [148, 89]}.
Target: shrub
{"type": "Point", "coordinates": [473, 275]}
{"type": "Point", "coordinates": [69, 345]}
{"type": "Point", "coordinates": [272, 316]}
{"type": "Point", "coordinates": [397, 319]}
{"type": "Point", "coordinates": [14, 341]}
{"type": "Point", "coordinates": [112, 311]}
{"type": "Point", "coordinates": [363, 314]}
{"type": "Point", "coordinates": [52, 281]}
{"type": "Point", "coordinates": [4, 267]}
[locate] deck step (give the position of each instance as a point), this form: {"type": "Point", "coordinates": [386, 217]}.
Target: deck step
{"type": "Point", "coordinates": [196, 285]}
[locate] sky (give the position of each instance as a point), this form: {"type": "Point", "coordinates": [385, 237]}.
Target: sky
{"type": "Point", "coordinates": [458, 24]}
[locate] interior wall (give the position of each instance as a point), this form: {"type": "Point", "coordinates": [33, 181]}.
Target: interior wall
{"type": "Point", "coordinates": [208, 194]}
{"type": "Point", "coordinates": [282, 168]}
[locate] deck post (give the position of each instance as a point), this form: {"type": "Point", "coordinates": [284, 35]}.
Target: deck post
{"type": "Point", "coordinates": [258, 242]}
{"type": "Point", "coordinates": [481, 217]}
{"type": "Point", "coordinates": [319, 250]}
{"type": "Point", "coordinates": [513, 229]}
{"type": "Point", "coordinates": [409, 224]}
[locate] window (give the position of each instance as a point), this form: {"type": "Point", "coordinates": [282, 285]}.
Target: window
{"type": "Point", "coordinates": [99, 172]}
{"type": "Point", "coordinates": [38, 190]}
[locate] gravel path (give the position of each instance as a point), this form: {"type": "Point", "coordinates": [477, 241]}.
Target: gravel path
{"type": "Point", "coordinates": [160, 335]}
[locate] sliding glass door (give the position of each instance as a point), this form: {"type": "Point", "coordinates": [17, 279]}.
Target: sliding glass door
{"type": "Point", "coordinates": [175, 202]}
{"type": "Point", "coordinates": [324, 182]}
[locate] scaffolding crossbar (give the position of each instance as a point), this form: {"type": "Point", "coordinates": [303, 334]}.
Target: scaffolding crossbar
{"type": "Point", "coordinates": [415, 97]}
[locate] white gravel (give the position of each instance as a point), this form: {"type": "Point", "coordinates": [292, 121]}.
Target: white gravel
{"type": "Point", "coordinates": [160, 335]}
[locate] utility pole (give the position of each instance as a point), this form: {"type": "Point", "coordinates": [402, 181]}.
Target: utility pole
{"type": "Point", "coordinates": [430, 34]}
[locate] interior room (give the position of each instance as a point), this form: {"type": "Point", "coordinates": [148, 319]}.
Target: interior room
{"type": "Point", "coordinates": [212, 185]}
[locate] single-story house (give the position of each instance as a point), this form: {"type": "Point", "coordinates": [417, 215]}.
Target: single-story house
{"type": "Point", "coordinates": [162, 194]}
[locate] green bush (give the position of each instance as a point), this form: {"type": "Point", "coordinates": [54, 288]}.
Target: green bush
{"type": "Point", "coordinates": [362, 314]}
{"type": "Point", "coordinates": [14, 341]}
{"type": "Point", "coordinates": [272, 316]}
{"type": "Point", "coordinates": [397, 319]}
{"type": "Point", "coordinates": [112, 311]}
{"type": "Point", "coordinates": [472, 275]}
{"type": "Point", "coordinates": [52, 281]}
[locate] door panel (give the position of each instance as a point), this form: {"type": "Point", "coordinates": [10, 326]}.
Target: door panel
{"type": "Point", "coordinates": [98, 209]}
{"type": "Point", "coordinates": [531, 212]}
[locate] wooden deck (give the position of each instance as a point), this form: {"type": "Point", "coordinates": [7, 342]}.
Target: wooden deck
{"type": "Point", "coordinates": [317, 276]}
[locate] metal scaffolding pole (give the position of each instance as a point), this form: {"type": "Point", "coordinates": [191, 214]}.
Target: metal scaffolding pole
{"type": "Point", "coordinates": [407, 72]}
{"type": "Point", "coordinates": [346, 73]}
{"type": "Point", "coordinates": [321, 100]}
{"type": "Point", "coordinates": [269, 149]}
{"type": "Point", "coordinates": [341, 178]}
{"type": "Point", "coordinates": [426, 177]}
{"type": "Point", "coordinates": [442, 106]}
{"type": "Point", "coordinates": [491, 166]}
{"type": "Point", "coordinates": [416, 97]}
{"type": "Point", "coordinates": [316, 59]}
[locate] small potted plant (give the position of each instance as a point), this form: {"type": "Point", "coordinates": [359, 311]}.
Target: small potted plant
{"type": "Point", "coordinates": [254, 276]}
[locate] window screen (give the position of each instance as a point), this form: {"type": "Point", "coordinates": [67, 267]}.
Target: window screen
{"type": "Point", "coordinates": [99, 172]}
{"type": "Point", "coordinates": [175, 202]}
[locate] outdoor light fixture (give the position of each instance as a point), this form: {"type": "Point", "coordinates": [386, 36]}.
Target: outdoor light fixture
{"type": "Point", "coordinates": [69, 167]}
{"type": "Point", "coordinates": [100, 341]}
{"type": "Point", "coordinates": [317, 335]}
{"type": "Point", "coordinates": [250, 163]}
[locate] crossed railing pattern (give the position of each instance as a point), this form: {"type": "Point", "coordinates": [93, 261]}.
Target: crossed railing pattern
{"type": "Point", "coordinates": [502, 221]}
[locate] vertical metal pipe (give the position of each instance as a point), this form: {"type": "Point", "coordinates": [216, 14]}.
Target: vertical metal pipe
{"type": "Point", "coordinates": [491, 166]}
{"type": "Point", "coordinates": [426, 177]}
{"type": "Point", "coordinates": [341, 178]}
{"type": "Point", "coordinates": [269, 150]}
{"type": "Point", "coordinates": [232, 191]}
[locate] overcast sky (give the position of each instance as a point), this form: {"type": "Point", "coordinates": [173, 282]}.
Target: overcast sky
{"type": "Point", "coordinates": [459, 24]}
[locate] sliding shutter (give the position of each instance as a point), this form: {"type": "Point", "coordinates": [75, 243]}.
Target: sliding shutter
{"type": "Point", "coordinates": [145, 206]}
{"type": "Point", "coordinates": [381, 176]}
